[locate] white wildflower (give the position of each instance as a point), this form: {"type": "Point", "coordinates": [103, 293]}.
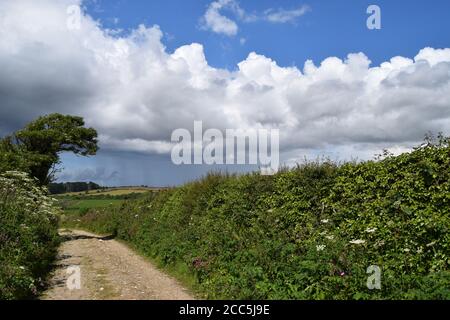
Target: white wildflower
{"type": "Point", "coordinates": [380, 243]}
{"type": "Point", "coordinates": [371, 230]}
{"type": "Point", "coordinates": [320, 247]}
{"type": "Point", "coordinates": [358, 241]}
{"type": "Point", "coordinates": [330, 237]}
{"type": "Point", "coordinates": [325, 221]}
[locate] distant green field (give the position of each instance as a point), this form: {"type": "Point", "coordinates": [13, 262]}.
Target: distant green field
{"type": "Point", "coordinates": [82, 202]}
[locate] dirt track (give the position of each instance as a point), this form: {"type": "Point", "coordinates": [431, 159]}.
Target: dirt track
{"type": "Point", "coordinates": [109, 271]}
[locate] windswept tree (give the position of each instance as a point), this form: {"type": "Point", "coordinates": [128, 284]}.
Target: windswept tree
{"type": "Point", "coordinates": [42, 141]}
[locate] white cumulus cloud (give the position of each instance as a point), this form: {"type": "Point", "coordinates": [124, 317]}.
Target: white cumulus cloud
{"type": "Point", "coordinates": [215, 21]}
{"type": "Point", "coordinates": [136, 93]}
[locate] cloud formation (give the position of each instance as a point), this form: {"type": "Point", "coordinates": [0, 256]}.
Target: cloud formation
{"type": "Point", "coordinates": [98, 174]}
{"type": "Point", "coordinates": [283, 16]}
{"type": "Point", "coordinates": [135, 93]}
{"type": "Point", "coordinates": [214, 19]}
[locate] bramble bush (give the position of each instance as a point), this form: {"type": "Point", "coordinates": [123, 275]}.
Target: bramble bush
{"type": "Point", "coordinates": [306, 233]}
{"type": "Point", "coordinates": [28, 235]}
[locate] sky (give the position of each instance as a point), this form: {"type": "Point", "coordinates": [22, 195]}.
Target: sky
{"type": "Point", "coordinates": [137, 70]}
{"type": "Point", "coordinates": [328, 28]}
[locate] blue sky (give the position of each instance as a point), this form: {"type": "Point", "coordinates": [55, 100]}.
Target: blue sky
{"type": "Point", "coordinates": [248, 71]}
{"type": "Point", "coordinates": [330, 28]}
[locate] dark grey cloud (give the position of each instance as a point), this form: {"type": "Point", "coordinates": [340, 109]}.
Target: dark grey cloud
{"type": "Point", "coordinates": [99, 174]}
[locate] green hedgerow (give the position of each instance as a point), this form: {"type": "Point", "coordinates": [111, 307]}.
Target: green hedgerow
{"type": "Point", "coordinates": [306, 233]}
{"type": "Point", "coordinates": [28, 235]}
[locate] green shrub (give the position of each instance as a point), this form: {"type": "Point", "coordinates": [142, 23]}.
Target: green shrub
{"type": "Point", "coordinates": [306, 233]}
{"type": "Point", "coordinates": [28, 235]}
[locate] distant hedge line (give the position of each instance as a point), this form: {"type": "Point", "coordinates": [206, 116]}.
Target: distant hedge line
{"type": "Point", "coordinates": [306, 233]}
{"type": "Point", "coordinates": [28, 236]}
{"type": "Point", "coordinates": [66, 187]}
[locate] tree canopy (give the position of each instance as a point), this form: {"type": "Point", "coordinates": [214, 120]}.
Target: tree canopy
{"type": "Point", "coordinates": [36, 148]}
